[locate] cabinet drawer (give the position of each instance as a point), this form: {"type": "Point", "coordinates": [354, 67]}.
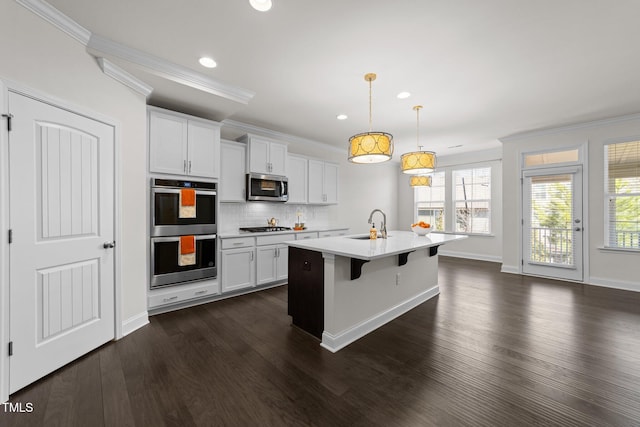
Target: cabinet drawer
{"type": "Point", "coordinates": [273, 239]}
{"type": "Point", "coordinates": [237, 242]}
{"type": "Point", "coordinates": [333, 233]}
{"type": "Point", "coordinates": [175, 294]}
{"type": "Point", "coordinates": [307, 235]}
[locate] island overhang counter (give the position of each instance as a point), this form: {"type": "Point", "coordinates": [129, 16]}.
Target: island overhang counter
{"type": "Point", "coordinates": [342, 288]}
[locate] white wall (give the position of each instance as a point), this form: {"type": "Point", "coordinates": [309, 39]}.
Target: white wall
{"type": "Point", "coordinates": [488, 248]}
{"type": "Point", "coordinates": [607, 268]}
{"type": "Point", "coordinates": [39, 56]}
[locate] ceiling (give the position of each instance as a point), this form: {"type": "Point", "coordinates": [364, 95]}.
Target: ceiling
{"type": "Point", "coordinates": [482, 69]}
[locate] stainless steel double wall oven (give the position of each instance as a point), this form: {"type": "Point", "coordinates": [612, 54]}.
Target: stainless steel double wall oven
{"type": "Point", "coordinates": [167, 227]}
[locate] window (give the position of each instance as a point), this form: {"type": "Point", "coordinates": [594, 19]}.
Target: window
{"type": "Point", "coordinates": [430, 202]}
{"type": "Point", "coordinates": [622, 195]}
{"type": "Point", "coordinates": [472, 200]}
{"type": "Point", "coordinates": [458, 201]}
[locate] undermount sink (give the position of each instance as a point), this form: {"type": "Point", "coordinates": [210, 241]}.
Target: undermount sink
{"type": "Point", "coordinates": [366, 237]}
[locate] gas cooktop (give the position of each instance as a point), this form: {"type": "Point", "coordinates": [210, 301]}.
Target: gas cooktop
{"type": "Point", "coordinates": [263, 229]}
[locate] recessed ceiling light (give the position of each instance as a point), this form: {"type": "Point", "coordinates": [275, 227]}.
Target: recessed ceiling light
{"type": "Point", "coordinates": [403, 95]}
{"type": "Point", "coordinates": [341, 117]}
{"type": "Point", "coordinates": [261, 5]}
{"type": "Point", "coordinates": [207, 62]}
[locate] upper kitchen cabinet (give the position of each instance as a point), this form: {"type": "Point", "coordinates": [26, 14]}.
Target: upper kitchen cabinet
{"type": "Point", "coordinates": [322, 182]}
{"type": "Point", "coordinates": [232, 176]}
{"type": "Point", "coordinates": [183, 145]}
{"type": "Point", "coordinates": [298, 175]}
{"type": "Point", "coordinates": [265, 156]}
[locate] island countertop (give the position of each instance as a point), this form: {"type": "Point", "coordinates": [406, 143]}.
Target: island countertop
{"type": "Point", "coordinates": [360, 247]}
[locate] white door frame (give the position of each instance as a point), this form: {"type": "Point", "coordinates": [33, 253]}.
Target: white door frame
{"type": "Point", "coordinates": [583, 160]}
{"type": "Point", "coordinates": [6, 87]}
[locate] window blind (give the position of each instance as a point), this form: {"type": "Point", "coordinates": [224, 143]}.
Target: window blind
{"type": "Point", "coordinates": [622, 194]}
{"type": "Point", "coordinates": [472, 200]}
{"type": "Point", "coordinates": [430, 202]}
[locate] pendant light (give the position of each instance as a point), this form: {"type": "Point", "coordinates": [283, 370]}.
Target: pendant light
{"type": "Point", "coordinates": [420, 181]}
{"type": "Point", "coordinates": [370, 147]}
{"type": "Point", "coordinates": [418, 162]}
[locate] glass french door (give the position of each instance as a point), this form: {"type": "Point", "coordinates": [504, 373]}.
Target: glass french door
{"type": "Point", "coordinates": [552, 230]}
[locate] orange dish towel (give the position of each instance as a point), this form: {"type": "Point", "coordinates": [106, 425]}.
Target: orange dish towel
{"type": "Point", "coordinates": [187, 203]}
{"type": "Point", "coordinates": [187, 250]}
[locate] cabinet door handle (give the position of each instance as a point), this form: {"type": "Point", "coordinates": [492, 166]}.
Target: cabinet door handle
{"type": "Point", "coordinates": [170, 299]}
{"type": "Point", "coordinates": [184, 166]}
{"type": "Point", "coordinates": [189, 166]}
{"type": "Point", "coordinates": [237, 243]}
{"type": "Point", "coordinates": [251, 256]}
{"type": "Point", "coordinates": [204, 291]}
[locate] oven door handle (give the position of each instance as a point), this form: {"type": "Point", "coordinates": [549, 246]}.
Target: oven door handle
{"type": "Point", "coordinates": [177, 191]}
{"type": "Point", "coordinates": [177, 238]}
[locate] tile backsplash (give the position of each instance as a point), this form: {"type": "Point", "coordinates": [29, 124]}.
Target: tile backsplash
{"type": "Point", "coordinates": [234, 215]}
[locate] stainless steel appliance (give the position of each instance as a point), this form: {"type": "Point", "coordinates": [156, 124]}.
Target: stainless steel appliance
{"type": "Point", "coordinates": [267, 188]}
{"type": "Point", "coordinates": [167, 227]}
{"type": "Point", "coordinates": [165, 200]}
{"type": "Point", "coordinates": [164, 260]}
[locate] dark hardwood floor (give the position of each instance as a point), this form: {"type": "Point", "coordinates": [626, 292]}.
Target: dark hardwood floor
{"type": "Point", "coordinates": [492, 349]}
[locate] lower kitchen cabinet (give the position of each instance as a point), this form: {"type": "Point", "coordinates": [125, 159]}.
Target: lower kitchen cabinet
{"type": "Point", "coordinates": [272, 262]}
{"type": "Point", "coordinates": [169, 295]}
{"type": "Point", "coordinates": [238, 268]}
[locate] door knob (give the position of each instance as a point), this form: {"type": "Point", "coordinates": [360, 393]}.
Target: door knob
{"type": "Point", "coordinates": [577, 228]}
{"type": "Point", "coordinates": [577, 221]}
{"type": "Point", "coordinates": [109, 245]}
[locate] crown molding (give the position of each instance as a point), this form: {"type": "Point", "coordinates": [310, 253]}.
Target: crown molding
{"type": "Point", "coordinates": [245, 127]}
{"type": "Point", "coordinates": [118, 74]}
{"type": "Point", "coordinates": [100, 46]}
{"type": "Point", "coordinates": [571, 127]}
{"type": "Point", "coordinates": [58, 19]}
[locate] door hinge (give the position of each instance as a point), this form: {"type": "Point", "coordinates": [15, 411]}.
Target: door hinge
{"type": "Point", "coordinates": [10, 236]}
{"type": "Point", "coordinates": [10, 348]}
{"type": "Point", "coordinates": [522, 262]}
{"type": "Point", "coordinates": [9, 117]}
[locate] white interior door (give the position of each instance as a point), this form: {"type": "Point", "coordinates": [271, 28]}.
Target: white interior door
{"type": "Point", "coordinates": [61, 216]}
{"type": "Point", "coordinates": [552, 222]}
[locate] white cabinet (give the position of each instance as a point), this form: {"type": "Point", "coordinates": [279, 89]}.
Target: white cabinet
{"type": "Point", "coordinates": [179, 294]}
{"type": "Point", "coordinates": [265, 155]}
{"type": "Point", "coordinates": [272, 263]}
{"type": "Point", "coordinates": [183, 145]}
{"type": "Point", "coordinates": [237, 265]}
{"type": "Point", "coordinates": [323, 182]}
{"type": "Point", "coordinates": [333, 233]}
{"type": "Point", "coordinates": [232, 176]}
{"type": "Point", "coordinates": [298, 178]}
{"type": "Point", "coordinates": [304, 235]}
{"type": "Point", "coordinates": [272, 258]}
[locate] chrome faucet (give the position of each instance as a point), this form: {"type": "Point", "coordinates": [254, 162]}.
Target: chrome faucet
{"type": "Point", "coordinates": [383, 227]}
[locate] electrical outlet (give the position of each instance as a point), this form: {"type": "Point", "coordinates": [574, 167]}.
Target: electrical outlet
{"type": "Point", "coordinates": [397, 279]}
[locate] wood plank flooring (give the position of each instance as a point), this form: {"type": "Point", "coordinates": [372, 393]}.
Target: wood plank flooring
{"type": "Point", "coordinates": [492, 349]}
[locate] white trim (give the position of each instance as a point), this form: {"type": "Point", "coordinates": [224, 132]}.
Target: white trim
{"type": "Point", "coordinates": [570, 127]}
{"type": "Point", "coordinates": [61, 21]}
{"type": "Point", "coordinates": [334, 343]}
{"type": "Point", "coordinates": [510, 269]}
{"type": "Point", "coordinates": [614, 284]}
{"type": "Point", "coordinates": [470, 255]}
{"type": "Point", "coordinates": [279, 136]}
{"type": "Point", "coordinates": [100, 46]}
{"type": "Point", "coordinates": [118, 74]}
{"type": "Point", "coordinates": [4, 246]}
{"type": "Point", "coordinates": [134, 323]}
{"type": "Point", "coordinates": [614, 249]}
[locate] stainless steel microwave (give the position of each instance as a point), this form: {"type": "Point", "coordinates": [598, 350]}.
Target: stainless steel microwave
{"type": "Point", "coordinates": [267, 188]}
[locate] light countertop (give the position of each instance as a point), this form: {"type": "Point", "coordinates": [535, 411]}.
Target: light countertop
{"type": "Point", "coordinates": [397, 242]}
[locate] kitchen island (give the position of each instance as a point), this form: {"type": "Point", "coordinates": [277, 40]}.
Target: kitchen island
{"type": "Point", "coordinates": [342, 288]}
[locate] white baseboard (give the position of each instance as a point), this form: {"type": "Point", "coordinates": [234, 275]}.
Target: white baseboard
{"type": "Point", "coordinates": [511, 269]}
{"type": "Point", "coordinates": [334, 343]}
{"type": "Point", "coordinates": [470, 255]}
{"type": "Point", "coordinates": [134, 323]}
{"type": "Point", "coordinates": [615, 284]}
